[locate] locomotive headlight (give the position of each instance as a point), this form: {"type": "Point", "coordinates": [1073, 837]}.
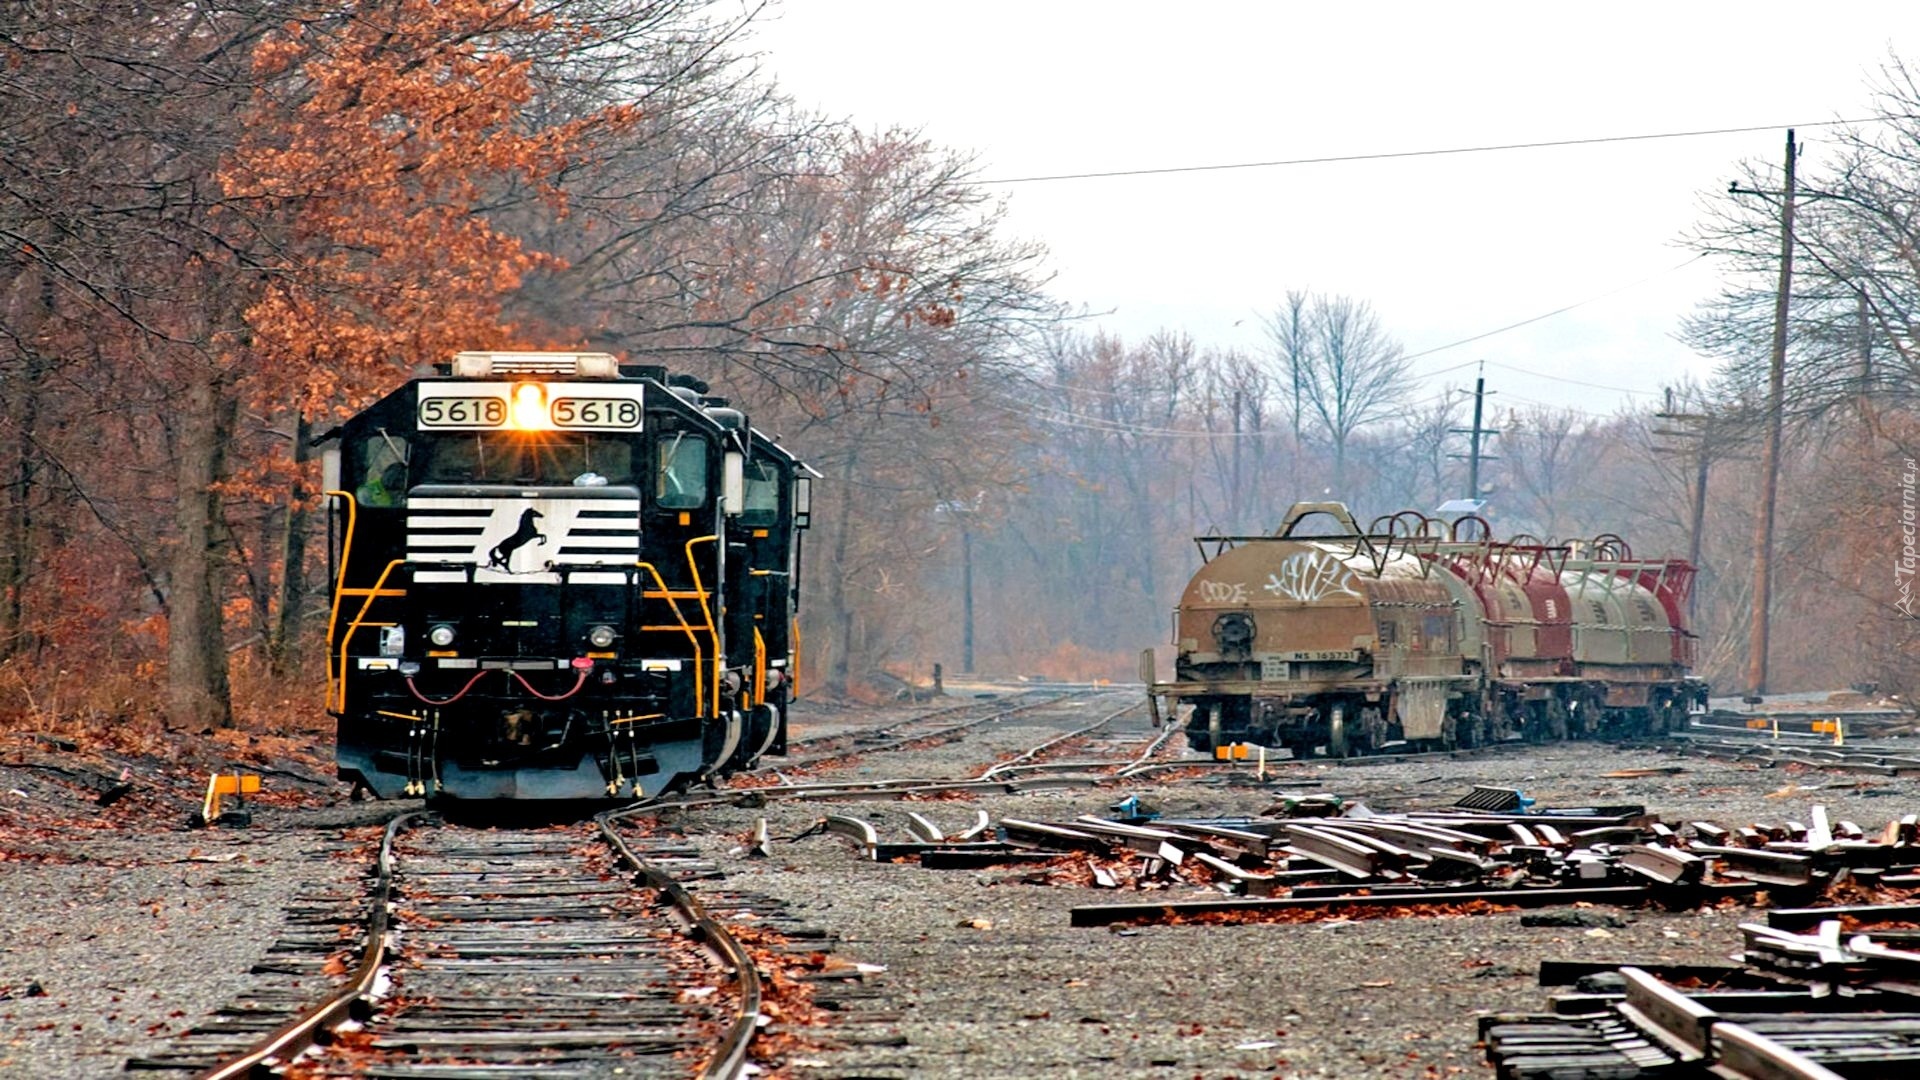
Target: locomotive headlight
{"type": "Point", "coordinates": [530, 407]}
{"type": "Point", "coordinates": [441, 635]}
{"type": "Point", "coordinates": [600, 637]}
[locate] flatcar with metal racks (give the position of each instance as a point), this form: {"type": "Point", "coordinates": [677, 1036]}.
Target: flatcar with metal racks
{"type": "Point", "coordinates": [555, 577]}
{"type": "Point", "coordinates": [1416, 632]}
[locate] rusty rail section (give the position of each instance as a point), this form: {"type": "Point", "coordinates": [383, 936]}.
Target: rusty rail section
{"type": "Point", "coordinates": [891, 736]}
{"type": "Point", "coordinates": [1808, 1006]}
{"type": "Point", "coordinates": [1031, 755]}
{"type": "Point", "coordinates": [729, 1059]}
{"type": "Point", "coordinates": [354, 1001]}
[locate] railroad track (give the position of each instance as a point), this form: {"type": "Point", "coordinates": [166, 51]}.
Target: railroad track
{"type": "Point", "coordinates": [1818, 751]}
{"type": "Point", "coordinates": [936, 725]}
{"type": "Point", "coordinates": [306, 955]}
{"type": "Point", "coordinates": [1021, 772]}
{"type": "Point", "coordinates": [492, 952]}
{"type": "Point", "coordinates": [1651, 1029]}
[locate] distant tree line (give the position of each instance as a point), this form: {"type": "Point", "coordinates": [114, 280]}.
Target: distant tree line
{"type": "Point", "coordinates": [226, 225]}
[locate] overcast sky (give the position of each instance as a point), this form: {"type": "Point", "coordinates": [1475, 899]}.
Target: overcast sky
{"type": "Point", "coordinates": [1444, 247]}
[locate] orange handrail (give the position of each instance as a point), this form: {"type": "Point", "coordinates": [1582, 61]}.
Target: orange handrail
{"type": "Point", "coordinates": [371, 595]}
{"type": "Point", "coordinates": [759, 667]}
{"type": "Point", "coordinates": [713, 632]}
{"type": "Point", "coordinates": [699, 688]}
{"type": "Point", "coordinates": [333, 613]}
{"type": "Point", "coordinates": [793, 666]}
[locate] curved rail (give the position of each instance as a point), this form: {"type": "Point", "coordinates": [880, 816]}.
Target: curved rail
{"type": "Point", "coordinates": [353, 1001]}
{"type": "Point", "coordinates": [730, 1059]}
{"type": "Point", "coordinates": [1013, 763]}
{"type": "Point", "coordinates": [996, 710]}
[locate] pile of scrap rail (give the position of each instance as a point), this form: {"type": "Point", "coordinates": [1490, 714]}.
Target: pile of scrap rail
{"type": "Point", "coordinates": [1317, 853]}
{"type": "Point", "coordinates": [1825, 993]}
{"type": "Point", "coordinates": [1489, 852]}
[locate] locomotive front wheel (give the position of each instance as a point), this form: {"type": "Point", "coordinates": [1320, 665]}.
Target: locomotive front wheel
{"type": "Point", "coordinates": [1337, 745]}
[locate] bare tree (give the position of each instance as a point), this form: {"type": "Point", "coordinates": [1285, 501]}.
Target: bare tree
{"type": "Point", "coordinates": [1417, 472]}
{"type": "Point", "coordinates": [1343, 370]}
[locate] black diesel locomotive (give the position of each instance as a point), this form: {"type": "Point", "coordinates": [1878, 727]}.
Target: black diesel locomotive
{"type": "Point", "coordinates": [556, 576]}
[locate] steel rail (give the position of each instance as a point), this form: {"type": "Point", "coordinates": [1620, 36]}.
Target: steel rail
{"type": "Point", "coordinates": [890, 788]}
{"type": "Point", "coordinates": [914, 737]}
{"type": "Point", "coordinates": [351, 1002]}
{"type": "Point", "coordinates": [989, 772]}
{"type": "Point", "coordinates": [730, 1058]}
{"type": "Point", "coordinates": [1153, 748]}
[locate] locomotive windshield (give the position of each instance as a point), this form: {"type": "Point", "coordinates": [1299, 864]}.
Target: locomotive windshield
{"type": "Point", "coordinates": [544, 458]}
{"type": "Point", "coordinates": [763, 496]}
{"type": "Point", "coordinates": [680, 478]}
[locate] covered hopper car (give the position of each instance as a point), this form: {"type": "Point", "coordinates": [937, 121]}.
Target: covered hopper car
{"type": "Point", "coordinates": [557, 577]}
{"type": "Point", "coordinates": [1415, 632]}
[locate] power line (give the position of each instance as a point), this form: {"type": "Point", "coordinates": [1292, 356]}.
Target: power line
{"type": "Point", "coordinates": [1555, 311]}
{"type": "Point", "coordinates": [1061, 416]}
{"type": "Point", "coordinates": [1397, 154]}
{"type": "Point", "coordinates": [1589, 414]}
{"type": "Point", "coordinates": [1575, 382]}
{"type": "Point", "coordinates": [1068, 418]}
{"type": "Point", "coordinates": [1070, 388]}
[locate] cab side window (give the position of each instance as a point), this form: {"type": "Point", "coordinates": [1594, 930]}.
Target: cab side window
{"type": "Point", "coordinates": [383, 473]}
{"type": "Point", "coordinates": [680, 471]}
{"type": "Point", "coordinates": [763, 496]}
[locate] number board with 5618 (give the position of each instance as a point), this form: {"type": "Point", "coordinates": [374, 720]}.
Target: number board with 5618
{"type": "Point", "coordinates": [506, 405]}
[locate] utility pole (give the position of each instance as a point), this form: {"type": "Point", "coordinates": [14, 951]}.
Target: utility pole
{"type": "Point", "coordinates": [966, 586]}
{"type": "Point", "coordinates": [1863, 398]}
{"type": "Point", "coordinates": [1233, 496]}
{"type": "Point", "coordinates": [1473, 456]}
{"type": "Point", "coordinates": [1770, 448]}
{"type": "Point", "coordinates": [1698, 429]}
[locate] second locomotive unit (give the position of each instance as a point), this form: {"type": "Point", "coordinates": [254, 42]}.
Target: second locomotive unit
{"type": "Point", "coordinates": [557, 576]}
{"type": "Point", "coordinates": [1413, 631]}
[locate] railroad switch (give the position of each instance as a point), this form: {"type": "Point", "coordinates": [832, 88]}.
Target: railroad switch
{"type": "Point", "coordinates": [234, 784]}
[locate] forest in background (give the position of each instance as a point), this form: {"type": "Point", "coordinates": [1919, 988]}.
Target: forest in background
{"type": "Point", "coordinates": [229, 224]}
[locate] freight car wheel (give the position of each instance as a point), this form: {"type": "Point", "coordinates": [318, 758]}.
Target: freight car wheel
{"type": "Point", "coordinates": [1556, 720]}
{"type": "Point", "coordinates": [1337, 745]}
{"type": "Point", "coordinates": [1202, 725]}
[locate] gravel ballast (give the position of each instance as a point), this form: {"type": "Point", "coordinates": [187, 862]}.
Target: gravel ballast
{"type": "Point", "coordinates": [988, 978]}
{"type": "Point", "coordinates": [135, 927]}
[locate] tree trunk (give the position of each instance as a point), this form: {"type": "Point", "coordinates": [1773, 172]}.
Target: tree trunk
{"type": "Point", "coordinates": [839, 615]}
{"type": "Point", "coordinates": [22, 393]}
{"type": "Point", "coordinates": [198, 694]}
{"type": "Point", "coordinates": [284, 629]}
{"type": "Point", "coordinates": [20, 389]}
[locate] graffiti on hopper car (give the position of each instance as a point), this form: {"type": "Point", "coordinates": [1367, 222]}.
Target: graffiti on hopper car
{"type": "Point", "coordinates": [1223, 592]}
{"type": "Point", "coordinates": [1309, 576]}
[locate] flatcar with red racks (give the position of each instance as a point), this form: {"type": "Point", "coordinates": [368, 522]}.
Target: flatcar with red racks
{"type": "Point", "coordinates": [558, 577]}
{"type": "Point", "coordinates": [1416, 632]}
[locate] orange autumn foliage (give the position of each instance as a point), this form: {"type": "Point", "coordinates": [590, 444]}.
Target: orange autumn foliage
{"type": "Point", "coordinates": [374, 179]}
